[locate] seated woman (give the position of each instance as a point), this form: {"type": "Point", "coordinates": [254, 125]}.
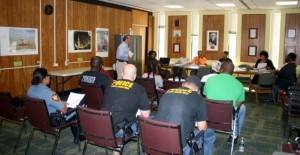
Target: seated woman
{"type": "Point", "coordinates": [287, 75]}
{"type": "Point", "coordinates": [198, 60]}
{"type": "Point", "coordinates": [263, 59]}
{"type": "Point", "coordinates": [153, 66]}
{"type": "Point", "coordinates": [40, 90]}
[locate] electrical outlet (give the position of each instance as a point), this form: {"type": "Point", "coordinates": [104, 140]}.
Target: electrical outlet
{"type": "Point", "coordinates": [55, 64]}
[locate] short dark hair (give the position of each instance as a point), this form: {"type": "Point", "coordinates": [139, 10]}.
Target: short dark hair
{"type": "Point", "coordinates": [226, 52]}
{"type": "Point", "coordinates": [151, 52]}
{"type": "Point", "coordinates": [38, 75]}
{"type": "Point", "coordinates": [96, 61]}
{"type": "Point", "coordinates": [293, 56]}
{"type": "Point", "coordinates": [126, 37]}
{"type": "Point", "coordinates": [264, 53]}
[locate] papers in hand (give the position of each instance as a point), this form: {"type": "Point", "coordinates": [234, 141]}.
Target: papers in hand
{"type": "Point", "coordinates": [130, 54]}
{"type": "Point", "coordinates": [261, 65]}
{"type": "Point", "coordinates": [74, 99]}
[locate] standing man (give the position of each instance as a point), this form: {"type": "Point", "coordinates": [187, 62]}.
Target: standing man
{"type": "Point", "coordinates": [123, 99]}
{"type": "Point", "coordinates": [184, 106]}
{"type": "Point", "coordinates": [93, 76]}
{"type": "Point", "coordinates": [123, 52]}
{"type": "Point", "coordinates": [226, 87]}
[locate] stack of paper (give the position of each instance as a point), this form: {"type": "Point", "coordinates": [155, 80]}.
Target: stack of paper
{"type": "Point", "coordinates": [74, 99]}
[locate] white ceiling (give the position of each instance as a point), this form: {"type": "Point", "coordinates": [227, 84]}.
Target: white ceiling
{"type": "Point", "coordinates": [197, 5]}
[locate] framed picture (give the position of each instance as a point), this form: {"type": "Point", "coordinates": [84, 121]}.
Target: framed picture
{"type": "Point", "coordinates": [102, 42]}
{"type": "Point", "coordinates": [212, 40]}
{"type": "Point", "coordinates": [18, 41]}
{"type": "Point", "coordinates": [290, 49]}
{"type": "Point", "coordinates": [79, 41]}
{"type": "Point", "coordinates": [291, 33]}
{"type": "Point", "coordinates": [177, 33]}
{"type": "Point", "coordinates": [253, 33]}
{"type": "Point", "coordinates": [176, 48]}
{"type": "Point", "coordinates": [252, 50]}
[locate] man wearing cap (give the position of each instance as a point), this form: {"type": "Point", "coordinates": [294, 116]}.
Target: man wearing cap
{"type": "Point", "coordinates": [225, 57]}
{"type": "Point", "coordinates": [184, 106]}
{"type": "Point", "coordinates": [226, 87]}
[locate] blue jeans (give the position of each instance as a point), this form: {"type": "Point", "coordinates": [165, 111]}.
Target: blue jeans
{"type": "Point", "coordinates": [241, 118]}
{"type": "Point", "coordinates": [209, 139]}
{"type": "Point", "coordinates": [134, 128]}
{"type": "Point", "coordinates": [270, 96]}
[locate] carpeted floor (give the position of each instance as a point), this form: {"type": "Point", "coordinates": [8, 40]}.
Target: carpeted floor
{"type": "Point", "coordinates": [262, 131]}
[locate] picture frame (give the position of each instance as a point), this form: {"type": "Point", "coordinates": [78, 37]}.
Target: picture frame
{"type": "Point", "coordinates": [290, 49]}
{"type": "Point", "coordinates": [253, 32]}
{"type": "Point", "coordinates": [177, 33]}
{"type": "Point", "coordinates": [102, 42]}
{"type": "Point", "coordinates": [252, 50]}
{"type": "Point", "coordinates": [291, 33]}
{"type": "Point", "coordinates": [176, 48]}
{"type": "Point", "coordinates": [212, 40]}
{"type": "Point", "coordinates": [79, 41]}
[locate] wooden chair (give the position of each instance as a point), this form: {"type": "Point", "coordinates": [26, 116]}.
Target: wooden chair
{"type": "Point", "coordinates": [97, 128]}
{"type": "Point", "coordinates": [38, 116]}
{"type": "Point", "coordinates": [168, 141]}
{"type": "Point", "coordinates": [9, 113]}
{"type": "Point", "coordinates": [219, 113]}
{"type": "Point", "coordinates": [93, 95]}
{"type": "Point", "coordinates": [266, 82]}
{"type": "Point", "coordinates": [172, 84]}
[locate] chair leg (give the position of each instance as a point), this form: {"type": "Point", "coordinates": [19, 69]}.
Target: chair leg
{"type": "Point", "coordinates": [85, 146]}
{"type": "Point", "coordinates": [138, 144]}
{"type": "Point", "coordinates": [106, 151]}
{"type": "Point", "coordinates": [55, 143]}
{"type": "Point", "coordinates": [286, 121]}
{"type": "Point", "coordinates": [274, 98]}
{"type": "Point", "coordinates": [1, 122]}
{"type": "Point", "coordinates": [78, 133]}
{"type": "Point", "coordinates": [19, 136]}
{"type": "Point", "coordinates": [45, 134]}
{"type": "Point", "coordinates": [256, 95]}
{"type": "Point", "coordinates": [29, 141]}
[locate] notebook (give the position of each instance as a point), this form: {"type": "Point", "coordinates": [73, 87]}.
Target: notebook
{"type": "Point", "coordinates": [164, 61]}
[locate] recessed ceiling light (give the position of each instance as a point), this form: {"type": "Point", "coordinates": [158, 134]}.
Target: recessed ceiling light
{"type": "Point", "coordinates": [173, 6]}
{"type": "Point", "coordinates": [225, 4]}
{"type": "Point", "coordinates": [287, 3]}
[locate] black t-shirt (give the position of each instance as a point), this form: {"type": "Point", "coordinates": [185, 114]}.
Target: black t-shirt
{"type": "Point", "coordinates": [95, 77]}
{"type": "Point", "coordinates": [184, 107]}
{"type": "Point", "coordinates": [123, 98]}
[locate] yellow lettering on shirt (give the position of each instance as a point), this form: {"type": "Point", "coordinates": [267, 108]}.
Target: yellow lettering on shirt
{"type": "Point", "coordinates": [180, 91]}
{"type": "Point", "coordinates": [122, 84]}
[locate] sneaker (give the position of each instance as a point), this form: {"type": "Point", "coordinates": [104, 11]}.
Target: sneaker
{"type": "Point", "coordinates": [81, 138]}
{"type": "Point", "coordinates": [230, 140]}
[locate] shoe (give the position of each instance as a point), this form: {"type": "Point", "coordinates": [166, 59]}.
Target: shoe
{"type": "Point", "coordinates": [230, 140]}
{"type": "Point", "coordinates": [81, 138]}
{"type": "Point", "coordinates": [268, 100]}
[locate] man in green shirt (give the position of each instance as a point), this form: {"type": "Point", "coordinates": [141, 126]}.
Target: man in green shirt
{"type": "Point", "coordinates": [226, 87]}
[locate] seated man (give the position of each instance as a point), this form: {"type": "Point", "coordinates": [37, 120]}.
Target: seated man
{"type": "Point", "coordinates": [40, 90]}
{"type": "Point", "coordinates": [226, 87]}
{"type": "Point", "coordinates": [185, 106]}
{"type": "Point", "coordinates": [224, 57]}
{"type": "Point", "coordinates": [93, 76]}
{"type": "Point", "coordinates": [198, 60]}
{"type": "Point", "coordinates": [123, 99]}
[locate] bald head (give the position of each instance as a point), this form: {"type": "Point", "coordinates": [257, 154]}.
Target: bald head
{"type": "Point", "coordinates": [96, 63]}
{"type": "Point", "coordinates": [129, 72]}
{"type": "Point", "coordinates": [227, 67]}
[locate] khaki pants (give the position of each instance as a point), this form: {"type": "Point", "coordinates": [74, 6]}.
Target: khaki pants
{"type": "Point", "coordinates": [119, 68]}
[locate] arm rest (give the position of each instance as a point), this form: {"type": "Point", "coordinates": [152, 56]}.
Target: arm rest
{"type": "Point", "coordinates": [200, 134]}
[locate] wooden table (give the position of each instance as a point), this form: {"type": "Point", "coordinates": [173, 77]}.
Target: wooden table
{"type": "Point", "coordinates": [68, 74]}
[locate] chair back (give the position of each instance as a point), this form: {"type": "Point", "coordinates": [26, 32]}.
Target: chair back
{"type": "Point", "coordinates": [97, 126]}
{"type": "Point", "coordinates": [93, 95]}
{"type": "Point", "coordinates": [266, 79]}
{"type": "Point", "coordinates": [172, 84]}
{"type": "Point", "coordinates": [37, 113]}
{"type": "Point", "coordinates": [160, 93]}
{"type": "Point", "coordinates": [202, 71]}
{"type": "Point", "coordinates": [6, 106]}
{"type": "Point", "coordinates": [168, 140]}
{"type": "Point", "coordinates": [149, 85]}
{"type": "Point", "coordinates": [219, 113]}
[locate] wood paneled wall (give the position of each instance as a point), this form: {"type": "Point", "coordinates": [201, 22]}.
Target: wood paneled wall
{"type": "Point", "coordinates": [81, 16]}
{"type": "Point", "coordinates": [292, 22]}
{"type": "Point", "coordinates": [151, 33]}
{"type": "Point", "coordinates": [252, 21]}
{"type": "Point", "coordinates": [172, 39]}
{"type": "Point", "coordinates": [212, 23]}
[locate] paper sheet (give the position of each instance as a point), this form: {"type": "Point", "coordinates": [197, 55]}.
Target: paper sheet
{"type": "Point", "coordinates": [130, 54]}
{"type": "Point", "coordinates": [74, 99]}
{"type": "Point", "coordinates": [261, 65]}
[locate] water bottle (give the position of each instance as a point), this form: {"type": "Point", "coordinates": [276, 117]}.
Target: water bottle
{"type": "Point", "coordinates": [242, 145]}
